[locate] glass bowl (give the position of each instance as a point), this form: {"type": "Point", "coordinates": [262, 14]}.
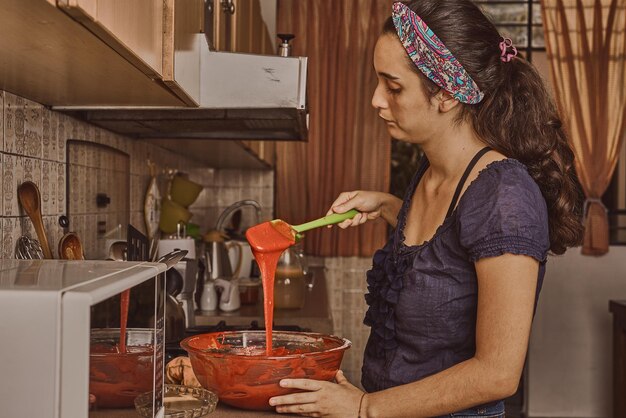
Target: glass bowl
{"type": "Point", "coordinates": [115, 379]}
{"type": "Point", "coordinates": [179, 401]}
{"type": "Point", "coordinates": [235, 365]}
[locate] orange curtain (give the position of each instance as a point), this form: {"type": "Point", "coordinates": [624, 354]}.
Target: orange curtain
{"type": "Point", "coordinates": [586, 45]}
{"type": "Point", "coordinates": [348, 146]}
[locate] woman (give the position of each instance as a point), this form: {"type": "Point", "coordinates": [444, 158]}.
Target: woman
{"type": "Point", "coordinates": [452, 294]}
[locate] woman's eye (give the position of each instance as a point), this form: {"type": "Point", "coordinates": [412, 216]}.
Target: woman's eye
{"type": "Point", "coordinates": [393, 91]}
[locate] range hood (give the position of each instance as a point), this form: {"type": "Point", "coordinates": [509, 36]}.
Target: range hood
{"type": "Point", "coordinates": [240, 96]}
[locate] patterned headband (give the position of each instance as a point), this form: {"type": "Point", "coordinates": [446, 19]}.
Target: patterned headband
{"type": "Point", "coordinates": [432, 57]}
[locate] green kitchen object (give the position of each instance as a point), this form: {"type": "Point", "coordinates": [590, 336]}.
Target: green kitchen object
{"type": "Point", "coordinates": [335, 218]}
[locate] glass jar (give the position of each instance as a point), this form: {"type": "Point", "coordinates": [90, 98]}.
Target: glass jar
{"type": "Point", "coordinates": [289, 283]}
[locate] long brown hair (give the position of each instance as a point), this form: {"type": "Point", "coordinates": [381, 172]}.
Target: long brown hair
{"type": "Point", "coordinates": [517, 117]}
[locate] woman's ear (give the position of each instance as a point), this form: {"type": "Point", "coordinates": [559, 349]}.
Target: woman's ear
{"type": "Point", "coordinates": [445, 101]}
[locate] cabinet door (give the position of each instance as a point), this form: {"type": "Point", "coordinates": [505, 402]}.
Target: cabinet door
{"type": "Point", "coordinates": [182, 43]}
{"type": "Point", "coordinates": [133, 28]}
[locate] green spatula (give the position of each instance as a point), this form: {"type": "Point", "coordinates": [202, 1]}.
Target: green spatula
{"type": "Point", "coordinates": [335, 218]}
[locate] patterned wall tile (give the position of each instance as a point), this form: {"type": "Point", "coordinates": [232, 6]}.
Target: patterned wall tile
{"type": "Point", "coordinates": [62, 135]}
{"type": "Point", "coordinates": [1, 189]}
{"type": "Point", "coordinates": [54, 232]}
{"type": "Point", "coordinates": [1, 133]}
{"type": "Point", "coordinates": [46, 136]}
{"type": "Point", "coordinates": [90, 238]}
{"type": "Point", "coordinates": [33, 128]}
{"type": "Point", "coordinates": [61, 188]}
{"type": "Point", "coordinates": [14, 120]}
{"type": "Point", "coordinates": [11, 231]}
{"type": "Point", "coordinates": [76, 129]}
{"type": "Point", "coordinates": [32, 171]}
{"type": "Point", "coordinates": [2, 238]}
{"type": "Point", "coordinates": [13, 169]}
{"type": "Point", "coordinates": [49, 183]}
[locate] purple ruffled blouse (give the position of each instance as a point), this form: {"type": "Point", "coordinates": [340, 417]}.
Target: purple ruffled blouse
{"type": "Point", "coordinates": [423, 298]}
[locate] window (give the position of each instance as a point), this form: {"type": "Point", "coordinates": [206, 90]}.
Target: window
{"type": "Point", "coordinates": [518, 20]}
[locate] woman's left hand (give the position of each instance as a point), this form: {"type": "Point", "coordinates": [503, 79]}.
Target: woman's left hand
{"type": "Point", "coordinates": [322, 399]}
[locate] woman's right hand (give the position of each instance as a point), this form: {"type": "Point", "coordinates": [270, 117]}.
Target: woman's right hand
{"type": "Point", "coordinates": [371, 205]}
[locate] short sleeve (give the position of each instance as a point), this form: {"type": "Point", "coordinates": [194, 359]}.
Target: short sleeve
{"type": "Point", "coordinates": [503, 211]}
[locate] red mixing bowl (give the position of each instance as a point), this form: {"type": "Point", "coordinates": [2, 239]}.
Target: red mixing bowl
{"type": "Point", "coordinates": [116, 379]}
{"type": "Point", "coordinates": [235, 365]}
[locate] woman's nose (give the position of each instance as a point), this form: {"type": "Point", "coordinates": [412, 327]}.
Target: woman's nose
{"type": "Point", "coordinates": [378, 98]}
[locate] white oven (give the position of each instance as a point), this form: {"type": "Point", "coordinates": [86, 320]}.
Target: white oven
{"type": "Point", "coordinates": [47, 312]}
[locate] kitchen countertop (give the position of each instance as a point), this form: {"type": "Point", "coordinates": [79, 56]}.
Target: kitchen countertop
{"type": "Point", "coordinates": [315, 315]}
{"type": "Point", "coordinates": [222, 411]}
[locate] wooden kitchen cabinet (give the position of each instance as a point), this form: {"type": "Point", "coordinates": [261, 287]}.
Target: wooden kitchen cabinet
{"type": "Point", "coordinates": [51, 58]}
{"type": "Point", "coordinates": [238, 26]}
{"type": "Point", "coordinates": [134, 29]}
{"type": "Point", "coordinates": [182, 42]}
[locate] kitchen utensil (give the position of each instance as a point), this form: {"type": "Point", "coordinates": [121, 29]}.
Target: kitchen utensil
{"type": "Point", "coordinates": [208, 299]}
{"type": "Point", "coordinates": [240, 254]}
{"type": "Point", "coordinates": [172, 258]}
{"type": "Point", "coordinates": [234, 364]}
{"type": "Point", "coordinates": [169, 245]}
{"type": "Point", "coordinates": [259, 239]}
{"type": "Point", "coordinates": [137, 245]}
{"type": "Point", "coordinates": [179, 402]}
{"type": "Point", "coordinates": [70, 247]}
{"type": "Point", "coordinates": [297, 230]}
{"type": "Point", "coordinates": [27, 248]}
{"type": "Point", "coordinates": [171, 214]}
{"type": "Point", "coordinates": [64, 222]}
{"type": "Point", "coordinates": [30, 199]}
{"type": "Point", "coordinates": [229, 296]}
{"type": "Point", "coordinates": [184, 191]}
{"type": "Point", "coordinates": [218, 263]}
{"type": "Point", "coordinates": [118, 251]}
{"type": "Point", "coordinates": [154, 245]}
{"type": "Point", "coordinates": [152, 203]}
{"type": "Point", "coordinates": [173, 282]}
{"type": "Point", "coordinates": [115, 378]}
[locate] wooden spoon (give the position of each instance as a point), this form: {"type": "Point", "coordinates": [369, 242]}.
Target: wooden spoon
{"type": "Point", "coordinates": [70, 247]}
{"type": "Point", "coordinates": [30, 199]}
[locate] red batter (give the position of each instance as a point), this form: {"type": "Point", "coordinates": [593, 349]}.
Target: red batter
{"type": "Point", "coordinates": [245, 378]}
{"type": "Point", "coordinates": [124, 302]}
{"type": "Point", "coordinates": [268, 241]}
{"type": "Point", "coordinates": [116, 379]}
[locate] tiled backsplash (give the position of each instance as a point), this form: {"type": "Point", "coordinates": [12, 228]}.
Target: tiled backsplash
{"type": "Point", "coordinates": [345, 278]}
{"type": "Point", "coordinates": [33, 147]}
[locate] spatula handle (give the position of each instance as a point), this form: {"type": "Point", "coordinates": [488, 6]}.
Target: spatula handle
{"type": "Point", "coordinates": [335, 218]}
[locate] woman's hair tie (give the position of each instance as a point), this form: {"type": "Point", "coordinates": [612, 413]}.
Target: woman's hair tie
{"type": "Point", "coordinates": [507, 50]}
